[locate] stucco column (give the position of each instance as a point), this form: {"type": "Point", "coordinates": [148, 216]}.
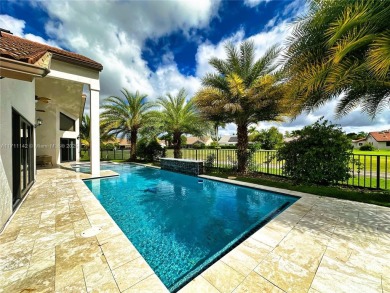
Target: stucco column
{"type": "Point", "coordinates": [95, 133]}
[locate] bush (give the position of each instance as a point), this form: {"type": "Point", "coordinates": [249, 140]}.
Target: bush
{"type": "Point", "coordinates": [199, 145]}
{"type": "Point", "coordinates": [149, 150]}
{"type": "Point", "coordinates": [320, 155]}
{"type": "Point", "coordinates": [367, 147]}
{"type": "Point", "coordinates": [228, 147]}
{"type": "Point", "coordinates": [209, 163]}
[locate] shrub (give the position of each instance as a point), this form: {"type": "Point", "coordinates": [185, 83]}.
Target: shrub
{"type": "Point", "coordinates": [209, 163]}
{"type": "Point", "coordinates": [367, 147]}
{"type": "Point", "coordinates": [199, 145]}
{"type": "Point", "coordinates": [149, 150]}
{"type": "Point", "coordinates": [320, 155]}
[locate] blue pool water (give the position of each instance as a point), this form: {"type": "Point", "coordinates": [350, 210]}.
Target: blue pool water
{"type": "Point", "coordinates": [179, 224]}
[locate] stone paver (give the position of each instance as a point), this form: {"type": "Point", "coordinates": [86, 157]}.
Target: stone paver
{"type": "Point", "coordinates": [317, 245]}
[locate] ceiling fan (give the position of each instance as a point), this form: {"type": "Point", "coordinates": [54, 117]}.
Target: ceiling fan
{"type": "Point", "coordinates": [40, 110]}
{"type": "Point", "coordinates": [42, 99]}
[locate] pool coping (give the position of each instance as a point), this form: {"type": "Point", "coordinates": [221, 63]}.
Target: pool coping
{"type": "Point", "coordinates": [263, 262]}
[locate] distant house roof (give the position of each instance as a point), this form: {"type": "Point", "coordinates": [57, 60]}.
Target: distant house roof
{"type": "Point", "coordinates": [359, 140]}
{"type": "Point", "coordinates": [194, 139]}
{"type": "Point", "coordinates": [228, 139]}
{"type": "Point", "coordinates": [288, 139]}
{"type": "Point", "coordinates": [381, 135]}
{"type": "Point", "coordinates": [123, 141]}
{"type": "Point", "coordinates": [13, 47]}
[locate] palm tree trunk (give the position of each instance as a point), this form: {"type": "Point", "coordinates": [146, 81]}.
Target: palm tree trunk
{"type": "Point", "coordinates": [242, 148]}
{"type": "Point", "coordinates": [133, 145]}
{"type": "Point", "coordinates": [177, 145]}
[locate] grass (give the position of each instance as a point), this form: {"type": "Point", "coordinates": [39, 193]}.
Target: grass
{"type": "Point", "coordinates": [381, 198]}
{"type": "Point", "coordinates": [376, 152]}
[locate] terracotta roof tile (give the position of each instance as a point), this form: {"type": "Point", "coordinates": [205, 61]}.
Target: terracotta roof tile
{"type": "Point", "coordinates": [381, 135]}
{"type": "Point", "coordinates": [20, 49]}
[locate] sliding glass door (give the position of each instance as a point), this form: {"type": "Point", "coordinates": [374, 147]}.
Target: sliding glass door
{"type": "Point", "coordinates": [68, 149]}
{"type": "Point", "coordinates": [22, 156]}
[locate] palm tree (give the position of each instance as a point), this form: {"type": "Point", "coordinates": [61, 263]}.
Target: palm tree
{"type": "Point", "coordinates": [243, 91]}
{"type": "Point", "coordinates": [125, 116]}
{"type": "Point", "coordinates": [178, 117]}
{"type": "Point", "coordinates": [85, 128]}
{"type": "Point", "coordinates": [341, 48]}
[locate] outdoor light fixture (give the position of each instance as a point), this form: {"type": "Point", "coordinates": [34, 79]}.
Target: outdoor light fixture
{"type": "Point", "coordinates": [39, 122]}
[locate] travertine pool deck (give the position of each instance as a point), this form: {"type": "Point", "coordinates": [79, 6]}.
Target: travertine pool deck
{"type": "Point", "coordinates": [317, 245]}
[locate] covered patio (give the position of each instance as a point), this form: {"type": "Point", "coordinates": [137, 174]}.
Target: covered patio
{"type": "Point", "coordinates": [42, 101]}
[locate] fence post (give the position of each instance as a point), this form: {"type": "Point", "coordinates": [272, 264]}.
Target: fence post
{"type": "Point", "coordinates": [122, 154]}
{"type": "Point", "coordinates": [196, 154]}
{"type": "Point", "coordinates": [267, 162]}
{"type": "Point", "coordinates": [114, 153]}
{"type": "Point", "coordinates": [378, 172]}
{"type": "Point", "coordinates": [217, 160]}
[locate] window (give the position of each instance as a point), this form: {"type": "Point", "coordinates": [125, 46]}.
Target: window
{"type": "Point", "coordinates": [387, 143]}
{"type": "Point", "coordinates": [360, 143]}
{"type": "Point", "coordinates": [66, 123]}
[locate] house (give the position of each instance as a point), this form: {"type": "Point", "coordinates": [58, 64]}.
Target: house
{"type": "Point", "coordinates": [357, 143]}
{"type": "Point", "coordinates": [193, 140]}
{"type": "Point", "coordinates": [228, 140]}
{"type": "Point", "coordinates": [41, 104]}
{"type": "Point", "coordinates": [123, 143]}
{"type": "Point", "coordinates": [378, 139]}
{"type": "Point", "coordinates": [290, 139]}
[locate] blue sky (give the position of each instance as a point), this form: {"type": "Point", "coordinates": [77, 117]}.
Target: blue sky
{"type": "Point", "coordinates": [160, 46]}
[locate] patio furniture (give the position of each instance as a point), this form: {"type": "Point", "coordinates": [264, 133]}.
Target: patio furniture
{"type": "Point", "coordinates": [44, 160]}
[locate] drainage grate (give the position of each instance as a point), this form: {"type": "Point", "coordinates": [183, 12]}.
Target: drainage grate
{"type": "Point", "coordinates": [91, 232]}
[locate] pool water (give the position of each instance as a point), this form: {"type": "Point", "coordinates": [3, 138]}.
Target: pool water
{"type": "Point", "coordinates": [182, 224]}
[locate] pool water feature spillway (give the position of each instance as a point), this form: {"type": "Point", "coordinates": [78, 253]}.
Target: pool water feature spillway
{"type": "Point", "coordinates": [180, 226]}
{"type": "Point", "coordinates": [190, 167]}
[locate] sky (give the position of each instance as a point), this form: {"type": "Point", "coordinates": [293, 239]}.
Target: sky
{"type": "Point", "coordinates": [157, 47]}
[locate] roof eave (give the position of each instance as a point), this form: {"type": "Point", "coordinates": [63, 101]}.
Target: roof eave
{"type": "Point", "coordinates": [77, 62]}
{"type": "Point", "coordinates": [20, 70]}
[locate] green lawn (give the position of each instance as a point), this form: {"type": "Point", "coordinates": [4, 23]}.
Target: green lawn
{"type": "Point", "coordinates": [381, 198]}
{"type": "Point", "coordinates": [376, 152]}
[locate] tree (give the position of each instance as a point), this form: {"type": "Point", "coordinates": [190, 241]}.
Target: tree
{"type": "Point", "coordinates": [270, 139]}
{"type": "Point", "coordinates": [341, 48]}
{"type": "Point", "coordinates": [125, 116]}
{"type": "Point", "coordinates": [243, 91]}
{"type": "Point", "coordinates": [85, 128]}
{"type": "Point", "coordinates": [149, 149]}
{"type": "Point", "coordinates": [178, 117]}
{"type": "Point", "coordinates": [321, 155]}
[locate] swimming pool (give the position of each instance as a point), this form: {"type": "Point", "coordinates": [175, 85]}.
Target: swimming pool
{"type": "Point", "coordinates": [182, 224]}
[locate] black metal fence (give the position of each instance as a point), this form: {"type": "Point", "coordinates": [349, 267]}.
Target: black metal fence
{"type": "Point", "coordinates": [372, 171]}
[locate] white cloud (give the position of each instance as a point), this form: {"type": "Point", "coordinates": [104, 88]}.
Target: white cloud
{"type": "Point", "coordinates": [16, 26]}
{"type": "Point", "coordinates": [254, 3]}
{"type": "Point", "coordinates": [353, 122]}
{"type": "Point", "coordinates": [116, 37]}
{"type": "Point", "coordinates": [262, 41]}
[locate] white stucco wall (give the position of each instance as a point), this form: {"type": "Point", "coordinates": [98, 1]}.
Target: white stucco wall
{"type": "Point", "coordinates": [19, 95]}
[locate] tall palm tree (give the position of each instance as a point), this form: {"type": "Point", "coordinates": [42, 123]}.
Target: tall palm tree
{"type": "Point", "coordinates": [178, 117]}
{"type": "Point", "coordinates": [341, 48]}
{"type": "Point", "coordinates": [243, 91]}
{"type": "Point", "coordinates": [125, 116]}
